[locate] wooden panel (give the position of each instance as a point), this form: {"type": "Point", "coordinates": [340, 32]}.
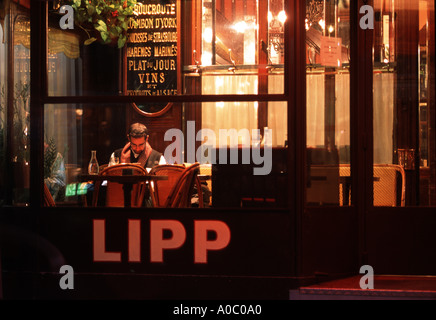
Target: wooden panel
{"type": "Point", "coordinates": [402, 241]}
{"type": "Point", "coordinates": [235, 185]}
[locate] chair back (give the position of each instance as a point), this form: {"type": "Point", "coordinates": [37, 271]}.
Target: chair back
{"type": "Point", "coordinates": [389, 184]}
{"type": "Point", "coordinates": [114, 191]}
{"type": "Point", "coordinates": [103, 166]}
{"type": "Point", "coordinates": [48, 199]}
{"type": "Point", "coordinates": [206, 170]}
{"type": "Point", "coordinates": [344, 171]}
{"type": "Point", "coordinates": [160, 190]}
{"type": "Point", "coordinates": [181, 194]}
{"type": "Point", "coordinates": [176, 192]}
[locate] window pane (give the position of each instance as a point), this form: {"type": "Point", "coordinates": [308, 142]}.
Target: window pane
{"type": "Point", "coordinates": [241, 165]}
{"type": "Point", "coordinates": [404, 173]}
{"type": "Point", "coordinates": [229, 32]}
{"type": "Point", "coordinates": [250, 167]}
{"type": "Point", "coordinates": [14, 110]}
{"type": "Point", "coordinates": [167, 45]}
{"type": "Point", "coordinates": [71, 132]}
{"type": "Point", "coordinates": [328, 103]}
{"type": "Point", "coordinates": [21, 110]}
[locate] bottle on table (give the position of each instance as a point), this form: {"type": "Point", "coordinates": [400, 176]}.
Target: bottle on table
{"type": "Point", "coordinates": [93, 167]}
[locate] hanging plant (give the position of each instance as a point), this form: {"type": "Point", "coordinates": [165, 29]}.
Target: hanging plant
{"type": "Point", "coordinates": [104, 20]}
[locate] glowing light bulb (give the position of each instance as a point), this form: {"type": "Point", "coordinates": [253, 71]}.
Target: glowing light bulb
{"type": "Point", "coordinates": [240, 26]}
{"type": "Point", "coordinates": [207, 35]}
{"type": "Point", "coordinates": [206, 58]}
{"type": "Point", "coordinates": [322, 23]}
{"type": "Point", "coordinates": [282, 16]}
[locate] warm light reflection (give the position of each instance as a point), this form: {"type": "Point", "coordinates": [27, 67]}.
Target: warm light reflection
{"type": "Point", "coordinates": [308, 25]}
{"type": "Point", "coordinates": [282, 16]}
{"type": "Point", "coordinates": [206, 58]}
{"type": "Point", "coordinates": [331, 28]}
{"type": "Point", "coordinates": [322, 23]}
{"type": "Point", "coordinates": [240, 26]}
{"type": "Point", "coordinates": [219, 82]}
{"type": "Point", "coordinates": [207, 35]}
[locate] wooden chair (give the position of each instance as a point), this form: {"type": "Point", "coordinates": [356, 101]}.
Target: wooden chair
{"type": "Point", "coordinates": [344, 171]}
{"type": "Point", "coordinates": [48, 199]}
{"type": "Point", "coordinates": [182, 192]}
{"type": "Point", "coordinates": [160, 190]}
{"type": "Point", "coordinates": [205, 170]}
{"type": "Point", "coordinates": [176, 192]}
{"type": "Point", "coordinates": [389, 184]}
{"type": "Point", "coordinates": [114, 191]}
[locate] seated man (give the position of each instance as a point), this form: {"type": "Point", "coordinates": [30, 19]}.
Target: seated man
{"type": "Point", "coordinates": [138, 150]}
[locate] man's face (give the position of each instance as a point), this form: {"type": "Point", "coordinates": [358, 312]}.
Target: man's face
{"type": "Point", "coordinates": [137, 144]}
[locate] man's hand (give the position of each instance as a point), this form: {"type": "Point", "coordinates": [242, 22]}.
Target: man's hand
{"type": "Point", "coordinates": [125, 154]}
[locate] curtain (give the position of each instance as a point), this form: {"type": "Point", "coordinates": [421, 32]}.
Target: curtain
{"type": "Point", "coordinates": [243, 115]}
{"type": "Point", "coordinates": [383, 113]}
{"type": "Point", "coordinates": [64, 78]}
{"type": "Point", "coordinates": [342, 114]}
{"type": "Point", "coordinates": [229, 115]}
{"type": "Point", "coordinates": [238, 115]}
{"type": "Point", "coordinates": [315, 109]}
{"type": "Point", "coordinates": [277, 112]}
{"type": "Point", "coordinates": [383, 117]}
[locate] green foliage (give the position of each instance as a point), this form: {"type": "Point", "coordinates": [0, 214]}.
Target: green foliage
{"type": "Point", "coordinates": [109, 18]}
{"type": "Point", "coordinates": [50, 155]}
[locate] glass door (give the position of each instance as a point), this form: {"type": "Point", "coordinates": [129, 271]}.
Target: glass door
{"type": "Point", "coordinates": [328, 171]}
{"type": "Point", "coordinates": [404, 104]}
